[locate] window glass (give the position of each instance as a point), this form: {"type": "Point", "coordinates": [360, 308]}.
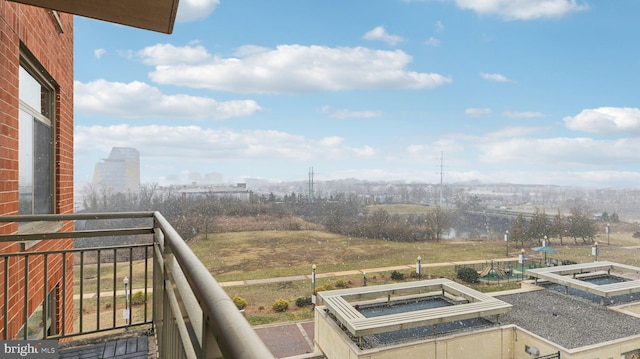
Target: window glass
{"type": "Point", "coordinates": [25, 164]}
{"type": "Point", "coordinates": [36, 326]}
{"type": "Point", "coordinates": [30, 90]}
{"type": "Point", "coordinates": [42, 168]}
{"type": "Point", "coordinates": [35, 145]}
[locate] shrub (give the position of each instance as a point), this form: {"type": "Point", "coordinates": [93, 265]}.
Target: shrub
{"type": "Point", "coordinates": [395, 275]}
{"type": "Point", "coordinates": [326, 286]}
{"type": "Point", "coordinates": [303, 301]}
{"type": "Point", "coordinates": [295, 226]}
{"type": "Point", "coordinates": [568, 262]}
{"type": "Point", "coordinates": [138, 298]}
{"type": "Point", "coordinates": [341, 283]}
{"type": "Point", "coordinates": [468, 275]}
{"type": "Point", "coordinates": [280, 305]}
{"type": "Point", "coordinates": [240, 302]}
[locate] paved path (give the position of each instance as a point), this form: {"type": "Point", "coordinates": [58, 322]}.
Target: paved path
{"type": "Point", "coordinates": [239, 283]}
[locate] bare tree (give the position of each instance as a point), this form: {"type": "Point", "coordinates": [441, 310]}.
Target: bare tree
{"type": "Point", "coordinates": [440, 220]}
{"type": "Point", "coordinates": [559, 226]}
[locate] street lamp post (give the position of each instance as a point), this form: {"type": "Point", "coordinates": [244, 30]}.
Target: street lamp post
{"type": "Point", "coordinates": [506, 242]}
{"type": "Point", "coordinates": [545, 243]}
{"type": "Point", "coordinates": [608, 230]}
{"type": "Point", "coordinates": [125, 313]}
{"type": "Point", "coordinates": [313, 285]}
{"type": "Point", "coordinates": [419, 267]}
{"type": "Point", "coordinates": [595, 251]}
{"type": "Point", "coordinates": [522, 259]}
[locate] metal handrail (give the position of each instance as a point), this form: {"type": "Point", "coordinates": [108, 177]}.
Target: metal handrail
{"type": "Point", "coordinates": [179, 278]}
{"type": "Point", "coordinates": [234, 335]}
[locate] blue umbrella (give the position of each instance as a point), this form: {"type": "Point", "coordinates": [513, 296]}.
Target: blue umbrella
{"type": "Point", "coordinates": [545, 249]}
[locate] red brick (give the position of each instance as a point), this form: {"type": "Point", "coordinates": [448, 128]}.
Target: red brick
{"type": "Point", "coordinates": [33, 27]}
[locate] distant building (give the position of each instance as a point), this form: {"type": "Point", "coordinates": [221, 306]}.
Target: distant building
{"type": "Point", "coordinates": [120, 172]}
{"type": "Point", "coordinates": [238, 191]}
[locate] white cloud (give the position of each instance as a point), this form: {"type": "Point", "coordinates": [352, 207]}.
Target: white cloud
{"type": "Point", "coordinates": [439, 26]}
{"type": "Point", "coordinates": [494, 77]}
{"type": "Point", "coordinates": [250, 50]}
{"type": "Point", "coordinates": [523, 9]}
{"type": "Point", "coordinates": [192, 10]}
{"type": "Point", "coordinates": [606, 120]}
{"type": "Point", "coordinates": [562, 152]}
{"type": "Point", "coordinates": [477, 112]}
{"type": "Point", "coordinates": [429, 152]}
{"type": "Point", "coordinates": [331, 141]}
{"type": "Point", "coordinates": [432, 41]}
{"type": "Point", "coordinates": [195, 144]}
{"type": "Point", "coordinates": [515, 132]}
{"type": "Point", "coordinates": [168, 54]}
{"type": "Point", "coordinates": [289, 69]}
{"type": "Point", "coordinates": [525, 114]}
{"type": "Point", "coordinates": [365, 151]}
{"type": "Point", "coordinates": [344, 113]}
{"type": "Point", "coordinates": [138, 100]}
{"type": "Point", "coordinates": [97, 53]}
{"type": "Point", "coordinates": [415, 149]}
{"type": "Point", "coordinates": [380, 34]}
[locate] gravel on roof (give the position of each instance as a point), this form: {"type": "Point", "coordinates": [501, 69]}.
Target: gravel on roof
{"type": "Point", "coordinates": [569, 321]}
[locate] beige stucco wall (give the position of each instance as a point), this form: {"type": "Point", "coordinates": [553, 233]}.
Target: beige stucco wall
{"type": "Point", "coordinates": [493, 343]}
{"type": "Point", "coordinates": [504, 342]}
{"type": "Point", "coordinates": [613, 349]}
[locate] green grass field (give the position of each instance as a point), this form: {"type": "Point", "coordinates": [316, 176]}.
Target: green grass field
{"type": "Point", "coordinates": [266, 254]}
{"type": "Point", "coordinates": [236, 256]}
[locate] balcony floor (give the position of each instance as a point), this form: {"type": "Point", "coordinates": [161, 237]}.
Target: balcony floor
{"type": "Point", "coordinates": [288, 339]}
{"type": "Point", "coordinates": [125, 348]}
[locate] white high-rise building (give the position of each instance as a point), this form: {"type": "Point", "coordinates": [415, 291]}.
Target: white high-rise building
{"type": "Point", "coordinates": [120, 172]}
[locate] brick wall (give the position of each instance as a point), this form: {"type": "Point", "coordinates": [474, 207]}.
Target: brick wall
{"type": "Point", "coordinates": [34, 28]}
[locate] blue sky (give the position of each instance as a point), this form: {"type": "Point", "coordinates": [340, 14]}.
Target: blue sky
{"type": "Point", "coordinates": [518, 91]}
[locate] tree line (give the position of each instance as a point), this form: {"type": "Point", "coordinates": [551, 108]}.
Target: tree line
{"type": "Point", "coordinates": [579, 224]}
{"type": "Point", "coordinates": [343, 214]}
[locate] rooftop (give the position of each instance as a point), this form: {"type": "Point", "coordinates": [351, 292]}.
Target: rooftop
{"type": "Point", "coordinates": [568, 320]}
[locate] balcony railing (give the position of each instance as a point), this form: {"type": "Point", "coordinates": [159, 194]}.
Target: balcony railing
{"type": "Point", "coordinates": [190, 313]}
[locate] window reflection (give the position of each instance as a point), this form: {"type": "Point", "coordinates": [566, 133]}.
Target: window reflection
{"type": "Point", "coordinates": [35, 145]}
